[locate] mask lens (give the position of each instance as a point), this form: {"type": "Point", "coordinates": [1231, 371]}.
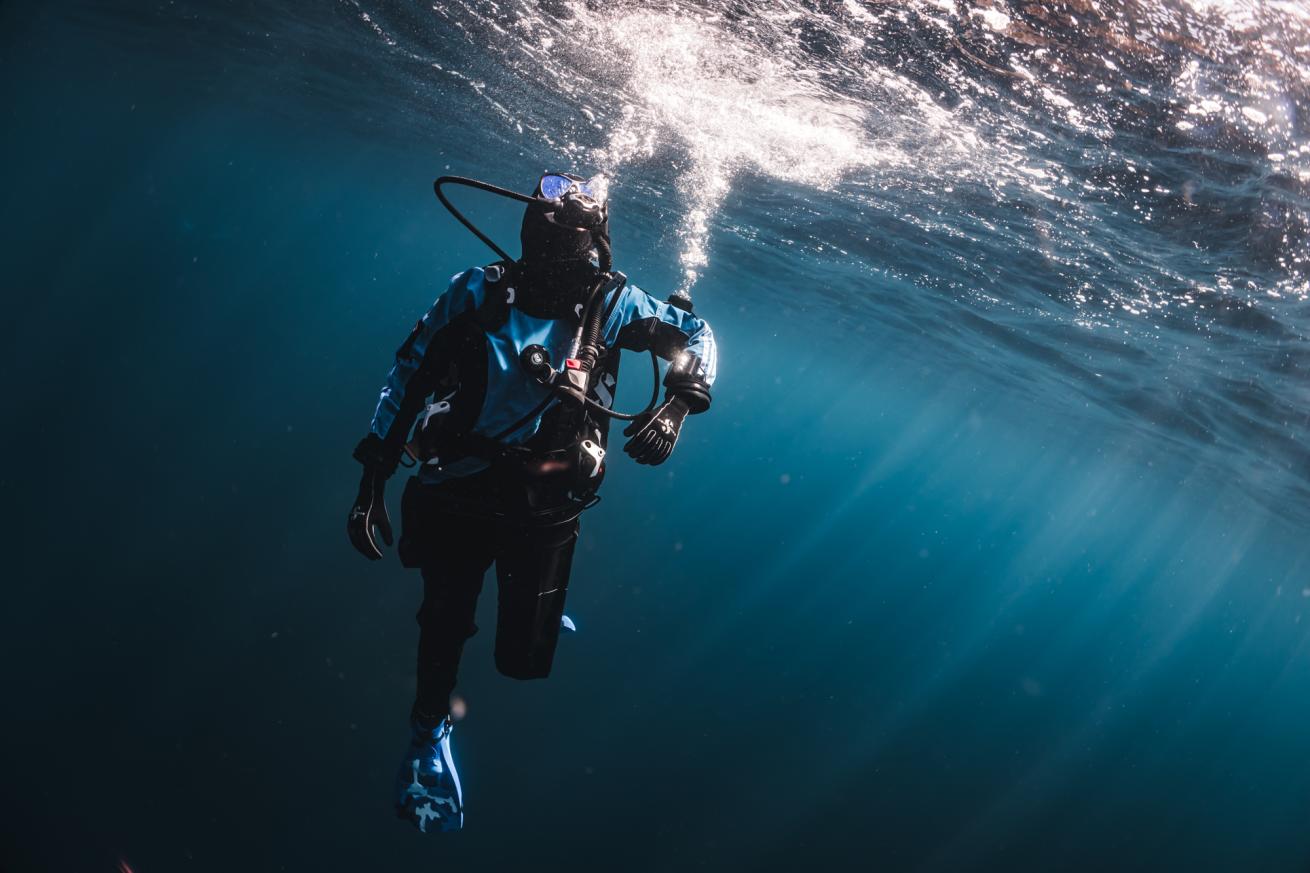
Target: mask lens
{"type": "Point", "coordinates": [597, 188]}
{"type": "Point", "coordinates": [554, 187]}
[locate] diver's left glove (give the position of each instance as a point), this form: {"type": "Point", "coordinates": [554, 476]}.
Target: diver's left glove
{"type": "Point", "coordinates": [654, 436]}
{"type": "Point", "coordinates": [370, 509]}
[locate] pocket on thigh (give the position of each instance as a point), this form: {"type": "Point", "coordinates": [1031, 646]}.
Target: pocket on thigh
{"type": "Point", "coordinates": [532, 574]}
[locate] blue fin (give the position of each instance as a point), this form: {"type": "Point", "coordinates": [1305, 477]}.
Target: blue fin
{"type": "Point", "coordinates": [428, 793]}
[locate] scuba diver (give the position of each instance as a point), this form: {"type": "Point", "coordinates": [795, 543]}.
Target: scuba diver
{"type": "Point", "coordinates": [501, 399]}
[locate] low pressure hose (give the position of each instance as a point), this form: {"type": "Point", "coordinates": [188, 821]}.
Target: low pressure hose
{"type": "Point", "coordinates": [593, 315]}
{"type": "Point", "coordinates": [625, 416]}
{"type": "Point", "coordinates": [604, 256]}
{"type": "Point", "coordinates": [481, 186]}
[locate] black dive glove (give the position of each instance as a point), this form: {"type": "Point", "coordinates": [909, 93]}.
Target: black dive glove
{"type": "Point", "coordinates": [370, 509]}
{"type": "Point", "coordinates": [369, 512]}
{"type": "Point", "coordinates": [655, 435]}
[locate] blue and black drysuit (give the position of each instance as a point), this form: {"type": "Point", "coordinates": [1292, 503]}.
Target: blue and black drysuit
{"type": "Point", "coordinates": [498, 480]}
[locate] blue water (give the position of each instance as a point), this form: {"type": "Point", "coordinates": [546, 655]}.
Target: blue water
{"type": "Point", "coordinates": [991, 554]}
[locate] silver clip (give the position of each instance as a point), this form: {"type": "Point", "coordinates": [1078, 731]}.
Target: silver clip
{"type": "Point", "coordinates": [441, 407]}
{"type": "Point", "coordinates": [597, 455]}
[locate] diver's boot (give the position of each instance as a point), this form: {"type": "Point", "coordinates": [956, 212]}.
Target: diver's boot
{"type": "Point", "coordinates": [428, 794]}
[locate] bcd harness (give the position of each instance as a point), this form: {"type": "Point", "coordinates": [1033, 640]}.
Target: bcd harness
{"type": "Point", "coordinates": [561, 466]}
{"type": "Point", "coordinates": [561, 461]}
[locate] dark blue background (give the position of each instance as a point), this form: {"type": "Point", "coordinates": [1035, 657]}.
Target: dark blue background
{"type": "Point", "coordinates": [877, 613]}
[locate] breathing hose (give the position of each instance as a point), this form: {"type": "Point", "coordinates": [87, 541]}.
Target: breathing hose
{"type": "Point", "coordinates": [482, 186]}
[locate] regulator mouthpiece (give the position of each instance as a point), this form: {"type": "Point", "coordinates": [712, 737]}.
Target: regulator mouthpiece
{"type": "Point", "coordinates": [579, 210]}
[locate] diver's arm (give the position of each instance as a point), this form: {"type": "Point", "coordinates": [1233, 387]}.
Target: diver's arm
{"type": "Point", "coordinates": [687, 342]}
{"type": "Point", "coordinates": [410, 380]}
{"type": "Point", "coordinates": [641, 323]}
{"type": "Point", "coordinates": [408, 385]}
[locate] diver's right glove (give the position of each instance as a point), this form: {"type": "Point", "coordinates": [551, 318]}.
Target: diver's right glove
{"type": "Point", "coordinates": [370, 509]}
{"type": "Point", "coordinates": [369, 512]}
{"type": "Point", "coordinates": [654, 436]}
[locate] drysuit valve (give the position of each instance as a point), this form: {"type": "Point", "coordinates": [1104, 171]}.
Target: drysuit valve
{"type": "Point", "coordinates": [536, 361]}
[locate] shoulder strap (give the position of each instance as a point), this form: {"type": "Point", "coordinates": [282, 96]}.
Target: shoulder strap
{"type": "Point", "coordinates": [616, 286]}
{"type": "Point", "coordinates": [493, 312]}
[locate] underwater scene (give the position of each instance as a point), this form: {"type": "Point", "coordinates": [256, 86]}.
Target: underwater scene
{"type": "Point", "coordinates": [991, 552]}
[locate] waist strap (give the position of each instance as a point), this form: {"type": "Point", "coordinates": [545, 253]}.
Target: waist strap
{"type": "Point", "coordinates": [476, 445]}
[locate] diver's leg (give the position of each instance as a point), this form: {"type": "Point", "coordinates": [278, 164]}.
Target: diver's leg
{"type": "Point", "coordinates": [532, 574]}
{"type": "Point", "coordinates": [452, 580]}
{"type": "Point", "coordinates": [427, 787]}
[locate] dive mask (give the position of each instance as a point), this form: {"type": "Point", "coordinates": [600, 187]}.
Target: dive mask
{"type": "Point", "coordinates": [554, 186]}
